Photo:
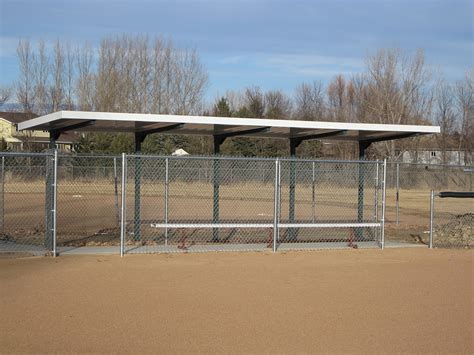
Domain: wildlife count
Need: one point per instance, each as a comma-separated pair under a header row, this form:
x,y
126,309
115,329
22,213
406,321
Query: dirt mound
x,y
457,233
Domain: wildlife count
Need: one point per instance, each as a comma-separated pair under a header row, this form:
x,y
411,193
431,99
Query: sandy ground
x,y
358,301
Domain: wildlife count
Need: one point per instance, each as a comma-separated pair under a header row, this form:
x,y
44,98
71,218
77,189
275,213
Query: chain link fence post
x,y
397,201
215,207
117,212
48,238
376,193
276,205
166,198
376,200
432,196
55,201
138,183
123,212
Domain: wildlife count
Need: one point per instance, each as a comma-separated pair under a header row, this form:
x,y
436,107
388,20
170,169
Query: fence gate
x,y
26,204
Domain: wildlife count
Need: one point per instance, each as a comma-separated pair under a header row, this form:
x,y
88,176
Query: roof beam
x,y
141,135
388,137
161,129
56,132
221,137
297,140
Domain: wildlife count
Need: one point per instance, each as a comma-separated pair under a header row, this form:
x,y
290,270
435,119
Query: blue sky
x,y
272,44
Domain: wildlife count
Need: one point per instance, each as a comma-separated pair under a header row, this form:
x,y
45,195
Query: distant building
x,y
32,141
435,156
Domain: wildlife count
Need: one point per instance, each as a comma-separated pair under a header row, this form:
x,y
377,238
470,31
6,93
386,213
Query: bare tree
x,y
309,102
56,90
5,92
336,99
255,102
85,82
278,105
464,92
156,76
395,90
41,79
444,115
109,92
191,81
25,92
235,99
69,78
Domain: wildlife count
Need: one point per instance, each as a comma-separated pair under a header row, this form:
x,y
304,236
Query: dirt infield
x,y
405,300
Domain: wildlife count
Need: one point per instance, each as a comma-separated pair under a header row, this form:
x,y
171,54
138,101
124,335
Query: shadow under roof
x,y
82,121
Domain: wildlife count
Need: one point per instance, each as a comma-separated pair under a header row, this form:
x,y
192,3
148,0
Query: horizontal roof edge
x,y
46,122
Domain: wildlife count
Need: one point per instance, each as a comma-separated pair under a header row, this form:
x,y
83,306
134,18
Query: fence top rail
x,y
25,154
89,155
466,168
271,159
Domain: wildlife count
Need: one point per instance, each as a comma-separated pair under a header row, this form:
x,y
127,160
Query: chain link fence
x,y
24,209
88,201
173,204
217,203
452,220
408,197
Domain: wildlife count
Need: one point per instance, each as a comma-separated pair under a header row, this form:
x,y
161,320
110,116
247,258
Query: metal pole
x,y
55,199
384,195
313,197
398,194
123,212
117,213
49,194
432,196
376,200
279,199
166,198
376,197
275,212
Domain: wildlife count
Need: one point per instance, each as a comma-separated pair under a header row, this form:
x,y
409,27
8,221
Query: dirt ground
x,y
358,301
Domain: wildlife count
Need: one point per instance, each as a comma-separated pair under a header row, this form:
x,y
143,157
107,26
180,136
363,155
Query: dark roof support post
x,y
49,193
53,137
218,140
363,145
139,138
292,233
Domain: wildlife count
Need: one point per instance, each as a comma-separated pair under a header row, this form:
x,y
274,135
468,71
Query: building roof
x,y
220,126
17,117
